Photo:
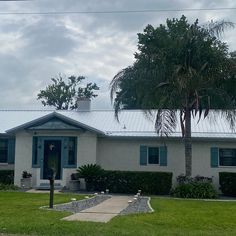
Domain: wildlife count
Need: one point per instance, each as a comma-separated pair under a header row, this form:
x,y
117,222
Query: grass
x,y
20,214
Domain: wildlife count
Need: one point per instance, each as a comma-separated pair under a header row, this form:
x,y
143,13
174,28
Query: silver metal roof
x,y
132,123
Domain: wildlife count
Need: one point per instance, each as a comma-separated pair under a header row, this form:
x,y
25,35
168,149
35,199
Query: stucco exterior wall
x,y
86,153
23,156
87,149
124,154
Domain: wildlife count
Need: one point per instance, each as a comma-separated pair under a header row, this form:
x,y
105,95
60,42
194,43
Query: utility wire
x,y
15,0
118,11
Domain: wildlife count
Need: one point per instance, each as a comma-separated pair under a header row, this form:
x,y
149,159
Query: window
x,y
3,150
71,151
153,155
227,157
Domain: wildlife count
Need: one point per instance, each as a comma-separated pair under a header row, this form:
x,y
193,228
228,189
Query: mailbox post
x,y
51,181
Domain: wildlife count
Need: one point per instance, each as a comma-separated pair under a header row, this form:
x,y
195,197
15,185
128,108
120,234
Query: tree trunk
x,y
188,143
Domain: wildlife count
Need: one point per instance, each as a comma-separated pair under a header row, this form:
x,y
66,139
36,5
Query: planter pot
x,y
74,185
82,184
26,183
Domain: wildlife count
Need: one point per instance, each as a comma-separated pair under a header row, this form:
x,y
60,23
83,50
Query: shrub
x,y
197,187
8,187
92,174
132,181
6,176
228,183
125,181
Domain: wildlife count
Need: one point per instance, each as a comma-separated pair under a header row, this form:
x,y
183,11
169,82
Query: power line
x,y
117,11
15,0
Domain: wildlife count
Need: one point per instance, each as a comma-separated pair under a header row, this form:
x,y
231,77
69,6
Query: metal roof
x,y
132,123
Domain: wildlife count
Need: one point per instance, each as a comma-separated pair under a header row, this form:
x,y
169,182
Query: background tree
x,y
178,66
63,95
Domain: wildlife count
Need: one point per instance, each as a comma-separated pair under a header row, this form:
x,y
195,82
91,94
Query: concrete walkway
x,y
102,212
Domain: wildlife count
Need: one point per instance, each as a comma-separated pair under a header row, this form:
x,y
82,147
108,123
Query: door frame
x,y
42,156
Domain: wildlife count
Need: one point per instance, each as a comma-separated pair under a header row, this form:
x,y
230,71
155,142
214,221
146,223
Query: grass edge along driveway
x,y
20,214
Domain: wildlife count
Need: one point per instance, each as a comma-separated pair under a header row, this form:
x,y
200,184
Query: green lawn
x,y
20,214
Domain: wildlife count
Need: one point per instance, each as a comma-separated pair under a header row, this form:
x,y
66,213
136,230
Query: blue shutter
x,y
143,155
64,153
163,156
214,157
34,152
11,151
40,153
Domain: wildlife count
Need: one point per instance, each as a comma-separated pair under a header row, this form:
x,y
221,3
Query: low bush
x,y
8,187
197,187
228,183
6,176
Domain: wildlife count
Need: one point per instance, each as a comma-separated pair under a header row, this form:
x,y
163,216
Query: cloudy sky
x,y
34,48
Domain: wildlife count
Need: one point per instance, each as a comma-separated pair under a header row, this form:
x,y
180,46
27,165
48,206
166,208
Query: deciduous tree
x,y
63,95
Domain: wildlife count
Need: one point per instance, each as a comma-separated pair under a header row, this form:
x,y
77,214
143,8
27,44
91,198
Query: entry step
x,y
46,186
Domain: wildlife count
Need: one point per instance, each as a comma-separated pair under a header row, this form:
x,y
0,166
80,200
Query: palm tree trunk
x,y
188,143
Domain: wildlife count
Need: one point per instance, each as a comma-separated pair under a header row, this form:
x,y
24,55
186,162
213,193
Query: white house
x,y
33,140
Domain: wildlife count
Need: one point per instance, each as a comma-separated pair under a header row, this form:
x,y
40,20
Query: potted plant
x,y
74,183
26,182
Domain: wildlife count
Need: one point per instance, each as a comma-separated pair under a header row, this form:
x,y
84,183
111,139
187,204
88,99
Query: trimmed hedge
x,y
132,181
6,176
228,183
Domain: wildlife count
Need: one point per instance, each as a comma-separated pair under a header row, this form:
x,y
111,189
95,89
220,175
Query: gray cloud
x,y
46,37
34,48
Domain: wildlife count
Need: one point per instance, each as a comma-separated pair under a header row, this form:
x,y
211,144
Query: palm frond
x,y
165,122
114,85
217,28
230,116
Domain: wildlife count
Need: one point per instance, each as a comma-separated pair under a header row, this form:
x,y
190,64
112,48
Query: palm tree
x,y
179,67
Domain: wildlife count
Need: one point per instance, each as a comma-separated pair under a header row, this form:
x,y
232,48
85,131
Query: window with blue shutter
x,y
7,150
214,157
163,156
143,155
69,152
153,155
227,156
11,151
3,150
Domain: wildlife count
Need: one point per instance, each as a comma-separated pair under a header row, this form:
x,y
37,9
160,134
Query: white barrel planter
x,y
26,183
74,185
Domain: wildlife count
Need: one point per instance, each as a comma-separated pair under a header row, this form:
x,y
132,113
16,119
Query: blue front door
x,y
51,158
